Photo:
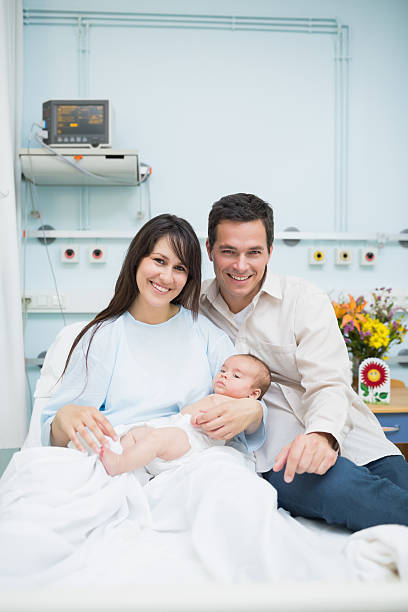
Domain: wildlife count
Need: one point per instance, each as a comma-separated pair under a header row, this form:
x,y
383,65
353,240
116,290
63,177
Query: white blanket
x,y
64,521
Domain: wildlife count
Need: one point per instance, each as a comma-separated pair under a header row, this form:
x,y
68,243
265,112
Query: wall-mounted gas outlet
x,y
317,257
368,256
70,253
97,254
343,257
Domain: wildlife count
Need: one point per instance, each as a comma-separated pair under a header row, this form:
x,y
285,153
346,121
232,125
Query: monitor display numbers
x,y
80,119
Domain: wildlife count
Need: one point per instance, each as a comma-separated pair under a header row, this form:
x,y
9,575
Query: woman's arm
x,y
74,407
71,420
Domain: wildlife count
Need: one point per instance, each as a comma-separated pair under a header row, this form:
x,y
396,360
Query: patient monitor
x,y
77,123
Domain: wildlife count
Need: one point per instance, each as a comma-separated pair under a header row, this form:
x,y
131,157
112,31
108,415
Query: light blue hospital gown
x,y
137,372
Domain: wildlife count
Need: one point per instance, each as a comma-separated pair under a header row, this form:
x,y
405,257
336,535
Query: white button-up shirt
x,y
292,327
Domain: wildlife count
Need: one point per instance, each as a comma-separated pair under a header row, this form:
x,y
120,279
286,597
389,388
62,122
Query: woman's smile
x,y
159,288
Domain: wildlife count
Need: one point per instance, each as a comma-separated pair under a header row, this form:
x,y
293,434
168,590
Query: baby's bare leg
x,y
141,447
134,435
116,464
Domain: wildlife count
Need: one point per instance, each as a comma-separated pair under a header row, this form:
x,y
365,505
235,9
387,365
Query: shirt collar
x,y
272,285
209,289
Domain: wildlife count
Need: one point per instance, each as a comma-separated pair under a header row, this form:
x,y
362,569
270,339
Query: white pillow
x,y
49,382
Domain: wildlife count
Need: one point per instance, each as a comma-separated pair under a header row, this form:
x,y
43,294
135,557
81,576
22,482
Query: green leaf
x,y
363,387
365,393
383,395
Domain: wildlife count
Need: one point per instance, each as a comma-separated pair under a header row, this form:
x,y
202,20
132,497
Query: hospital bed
x,y
318,596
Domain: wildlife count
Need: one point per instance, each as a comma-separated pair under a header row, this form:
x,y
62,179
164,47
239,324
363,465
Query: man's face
x,y
239,255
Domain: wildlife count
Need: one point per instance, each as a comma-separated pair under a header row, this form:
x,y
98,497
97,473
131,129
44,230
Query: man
x,y
325,452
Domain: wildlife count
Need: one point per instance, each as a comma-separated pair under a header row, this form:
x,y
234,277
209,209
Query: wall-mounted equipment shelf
x,y
98,167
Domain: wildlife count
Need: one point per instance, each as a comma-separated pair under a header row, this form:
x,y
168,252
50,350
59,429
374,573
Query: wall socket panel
x,y
317,257
343,256
69,253
97,254
44,301
368,256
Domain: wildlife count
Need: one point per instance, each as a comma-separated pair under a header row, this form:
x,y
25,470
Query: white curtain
x,y
13,416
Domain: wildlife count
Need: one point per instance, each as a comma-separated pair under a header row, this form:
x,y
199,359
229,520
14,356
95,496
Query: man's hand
x,y
312,453
72,420
231,417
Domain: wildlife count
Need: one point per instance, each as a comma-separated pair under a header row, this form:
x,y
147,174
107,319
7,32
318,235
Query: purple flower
x,y
348,327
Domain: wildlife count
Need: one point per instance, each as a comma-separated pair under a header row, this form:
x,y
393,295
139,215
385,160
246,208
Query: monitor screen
x,y
79,119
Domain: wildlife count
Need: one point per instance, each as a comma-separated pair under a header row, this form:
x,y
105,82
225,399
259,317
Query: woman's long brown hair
x,y
187,248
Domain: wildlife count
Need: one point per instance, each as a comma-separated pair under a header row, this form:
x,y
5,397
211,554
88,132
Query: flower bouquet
x,y
369,330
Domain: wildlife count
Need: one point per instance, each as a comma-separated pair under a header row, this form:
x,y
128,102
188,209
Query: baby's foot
x,y
110,460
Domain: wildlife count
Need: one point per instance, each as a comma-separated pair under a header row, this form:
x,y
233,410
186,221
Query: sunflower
x,y
373,374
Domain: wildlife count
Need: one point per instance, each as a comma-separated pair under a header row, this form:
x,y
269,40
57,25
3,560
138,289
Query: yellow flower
x,y
380,335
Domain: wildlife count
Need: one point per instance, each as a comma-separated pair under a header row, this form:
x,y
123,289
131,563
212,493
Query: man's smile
x,y
239,278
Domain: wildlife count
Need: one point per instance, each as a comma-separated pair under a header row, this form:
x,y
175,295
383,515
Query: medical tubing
x,y
84,170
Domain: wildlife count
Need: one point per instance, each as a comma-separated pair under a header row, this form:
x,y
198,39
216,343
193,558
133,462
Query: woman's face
x,y
160,276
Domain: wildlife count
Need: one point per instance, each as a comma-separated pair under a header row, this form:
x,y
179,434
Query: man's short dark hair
x,y
240,207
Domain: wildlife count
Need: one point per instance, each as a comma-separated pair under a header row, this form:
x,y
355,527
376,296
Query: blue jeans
x,y
348,494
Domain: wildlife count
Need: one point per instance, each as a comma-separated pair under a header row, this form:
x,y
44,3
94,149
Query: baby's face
x,y
237,378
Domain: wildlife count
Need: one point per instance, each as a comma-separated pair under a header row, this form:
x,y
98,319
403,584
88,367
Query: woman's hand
x,y
72,420
230,418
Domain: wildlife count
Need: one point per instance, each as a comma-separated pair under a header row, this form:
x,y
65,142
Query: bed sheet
x,y
64,521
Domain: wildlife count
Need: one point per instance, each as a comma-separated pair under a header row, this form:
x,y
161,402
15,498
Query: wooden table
x,y
394,417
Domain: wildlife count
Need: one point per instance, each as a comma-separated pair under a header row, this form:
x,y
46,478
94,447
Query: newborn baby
x,y
170,438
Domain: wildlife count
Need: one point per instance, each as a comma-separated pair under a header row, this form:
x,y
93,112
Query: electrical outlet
x,y
44,301
97,254
368,256
343,257
317,257
69,254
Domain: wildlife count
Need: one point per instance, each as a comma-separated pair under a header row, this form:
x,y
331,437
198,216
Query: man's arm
x,y
231,417
322,361
313,453
205,404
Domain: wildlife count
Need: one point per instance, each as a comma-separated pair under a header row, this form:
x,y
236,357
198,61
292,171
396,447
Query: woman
x,y
148,353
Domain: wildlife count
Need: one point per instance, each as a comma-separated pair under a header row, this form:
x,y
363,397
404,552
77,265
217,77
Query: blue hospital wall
x,y
216,112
